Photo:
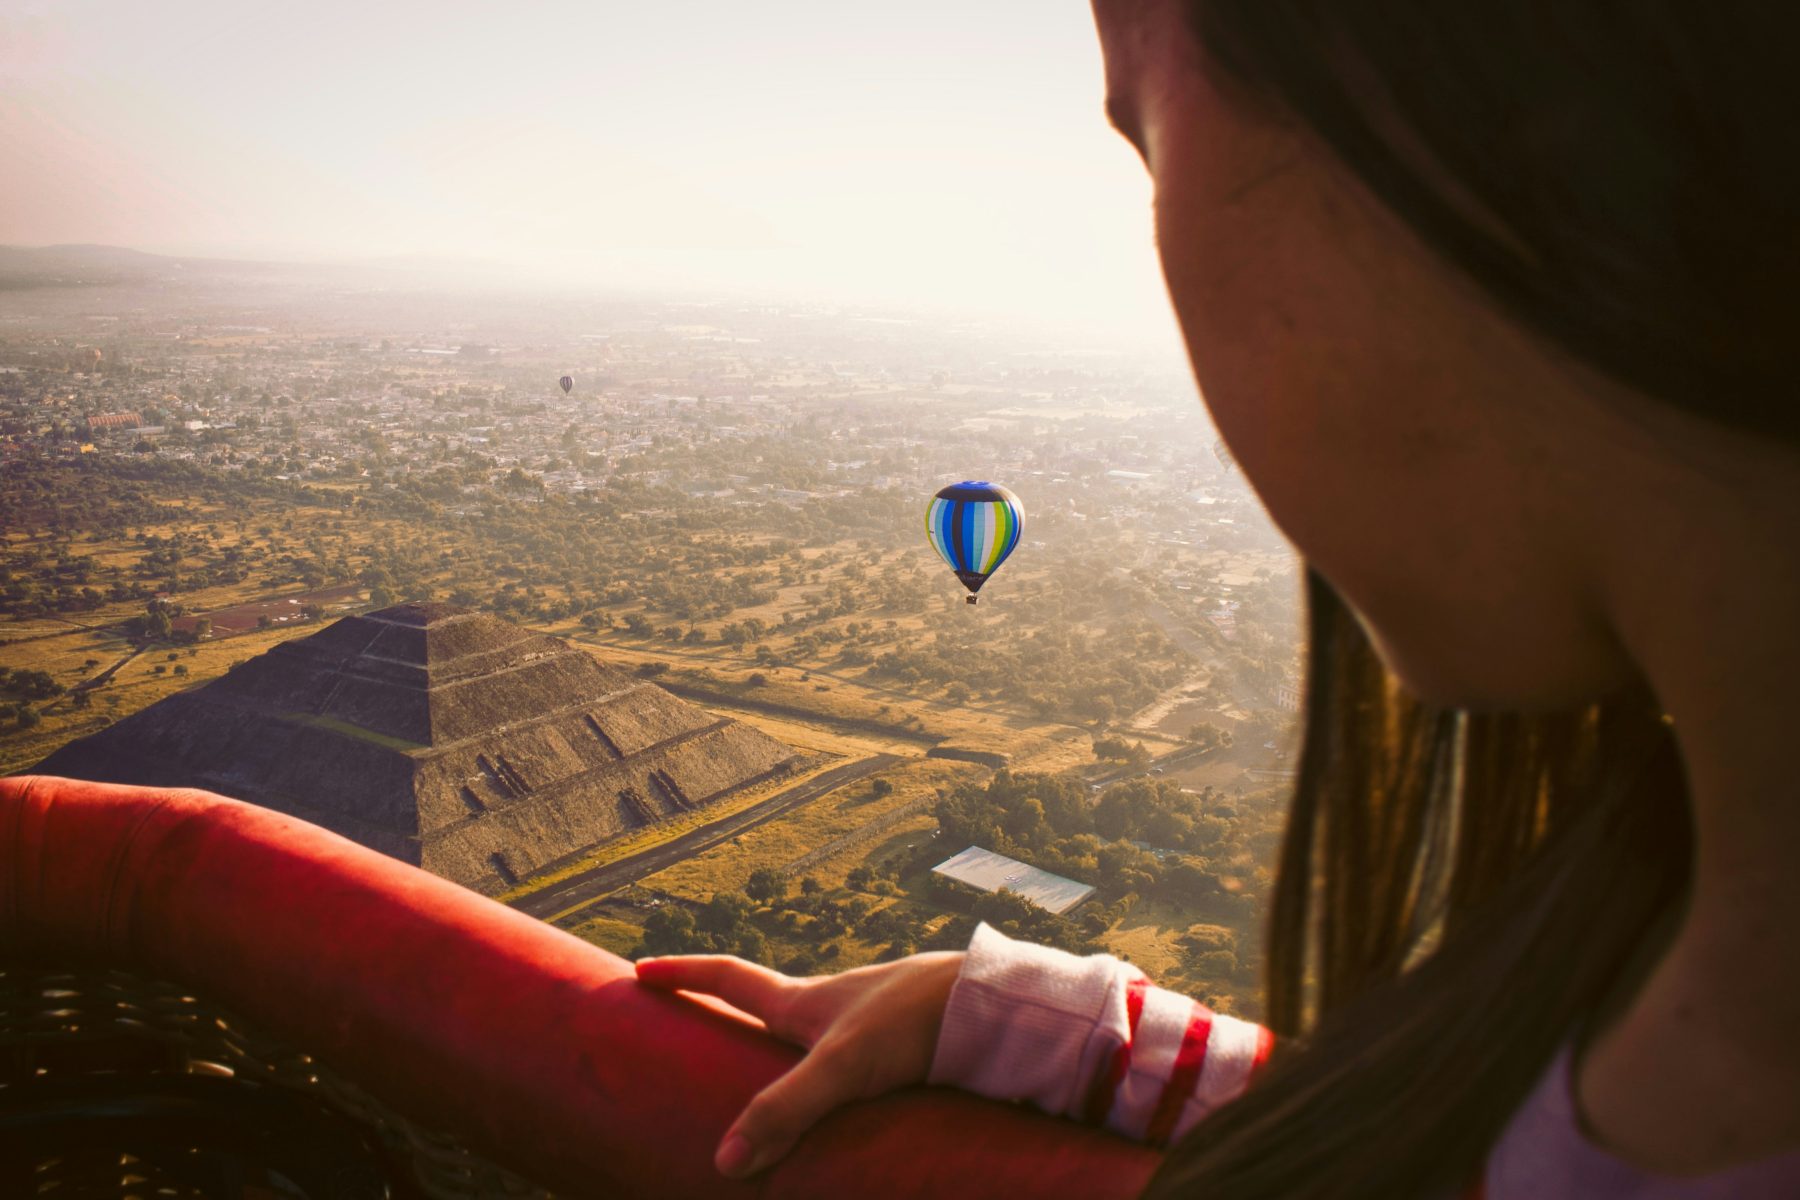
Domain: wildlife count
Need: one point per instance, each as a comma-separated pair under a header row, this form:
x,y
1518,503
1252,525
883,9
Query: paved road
x,y
1166,620
599,881
1182,756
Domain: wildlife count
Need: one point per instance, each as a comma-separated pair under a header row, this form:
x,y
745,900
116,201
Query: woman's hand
x,y
868,1031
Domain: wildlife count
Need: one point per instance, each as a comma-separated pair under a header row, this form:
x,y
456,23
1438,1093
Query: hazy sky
x,y
945,152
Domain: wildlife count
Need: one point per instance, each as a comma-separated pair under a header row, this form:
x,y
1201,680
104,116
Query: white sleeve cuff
x,y
1030,1023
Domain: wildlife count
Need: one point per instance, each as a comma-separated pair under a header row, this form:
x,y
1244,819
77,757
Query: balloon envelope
x,y
568,383
973,526
1223,453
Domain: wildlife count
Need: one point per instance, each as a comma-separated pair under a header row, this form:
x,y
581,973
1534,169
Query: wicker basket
x,y
108,1023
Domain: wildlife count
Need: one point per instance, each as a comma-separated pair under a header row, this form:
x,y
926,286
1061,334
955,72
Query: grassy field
x,y
137,685
726,868
654,835
1150,936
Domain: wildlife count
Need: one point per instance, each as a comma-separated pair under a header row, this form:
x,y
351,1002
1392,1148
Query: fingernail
x,y
642,961
734,1155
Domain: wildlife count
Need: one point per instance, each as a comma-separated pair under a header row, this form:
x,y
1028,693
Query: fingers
x,y
774,1120
756,990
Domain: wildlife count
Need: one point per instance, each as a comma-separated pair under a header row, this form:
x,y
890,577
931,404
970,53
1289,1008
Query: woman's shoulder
x,y
1546,1154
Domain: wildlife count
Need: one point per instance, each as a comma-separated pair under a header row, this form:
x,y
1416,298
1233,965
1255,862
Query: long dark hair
x,y
1460,892
1457,891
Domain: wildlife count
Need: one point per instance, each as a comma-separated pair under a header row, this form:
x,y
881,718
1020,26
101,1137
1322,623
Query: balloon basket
x,y
969,599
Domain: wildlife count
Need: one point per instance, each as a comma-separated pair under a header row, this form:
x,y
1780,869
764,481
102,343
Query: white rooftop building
x,y
987,871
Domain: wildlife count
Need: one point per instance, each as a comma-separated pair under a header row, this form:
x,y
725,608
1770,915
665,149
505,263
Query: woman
x,y
1493,304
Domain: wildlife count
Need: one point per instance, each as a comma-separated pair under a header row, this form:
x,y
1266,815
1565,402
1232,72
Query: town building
x,y
986,871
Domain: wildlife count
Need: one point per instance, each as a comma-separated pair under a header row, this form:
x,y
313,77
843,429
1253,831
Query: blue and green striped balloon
x,y
973,526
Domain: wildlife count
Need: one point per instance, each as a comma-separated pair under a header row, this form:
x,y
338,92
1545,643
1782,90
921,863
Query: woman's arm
x,y
1087,1038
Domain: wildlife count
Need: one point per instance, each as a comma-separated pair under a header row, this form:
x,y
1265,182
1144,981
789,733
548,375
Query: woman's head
x,y
1431,265
1492,303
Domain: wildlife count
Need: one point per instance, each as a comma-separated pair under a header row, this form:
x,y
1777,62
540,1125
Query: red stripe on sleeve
x,y
1265,1046
1190,1061
1100,1095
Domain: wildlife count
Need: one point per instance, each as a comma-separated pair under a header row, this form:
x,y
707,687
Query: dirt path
x,y
99,680
76,627
578,890
650,649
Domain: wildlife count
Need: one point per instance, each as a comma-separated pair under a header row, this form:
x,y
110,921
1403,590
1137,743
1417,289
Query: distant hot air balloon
x,y
1223,453
973,526
568,384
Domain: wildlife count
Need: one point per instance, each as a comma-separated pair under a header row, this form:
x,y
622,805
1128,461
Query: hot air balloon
x,y
568,384
1223,453
973,526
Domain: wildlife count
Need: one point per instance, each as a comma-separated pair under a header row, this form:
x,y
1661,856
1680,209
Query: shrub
x,y
766,885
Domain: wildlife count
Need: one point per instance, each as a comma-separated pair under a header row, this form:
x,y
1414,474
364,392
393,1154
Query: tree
x,y
858,879
669,930
1208,736
724,913
752,946
31,685
1005,905
810,886
766,885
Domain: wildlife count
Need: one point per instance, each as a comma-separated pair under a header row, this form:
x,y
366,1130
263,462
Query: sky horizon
x,y
947,157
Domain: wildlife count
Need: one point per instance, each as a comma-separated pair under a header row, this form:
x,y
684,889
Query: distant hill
x,y
84,265
98,266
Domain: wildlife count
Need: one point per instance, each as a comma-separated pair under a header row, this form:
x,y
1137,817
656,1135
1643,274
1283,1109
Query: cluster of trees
x,y
1117,749
1053,816
1140,840
751,924
1054,669
802,933
19,688
26,684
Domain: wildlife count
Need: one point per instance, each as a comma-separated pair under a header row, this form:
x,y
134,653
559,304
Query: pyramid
x,y
449,739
